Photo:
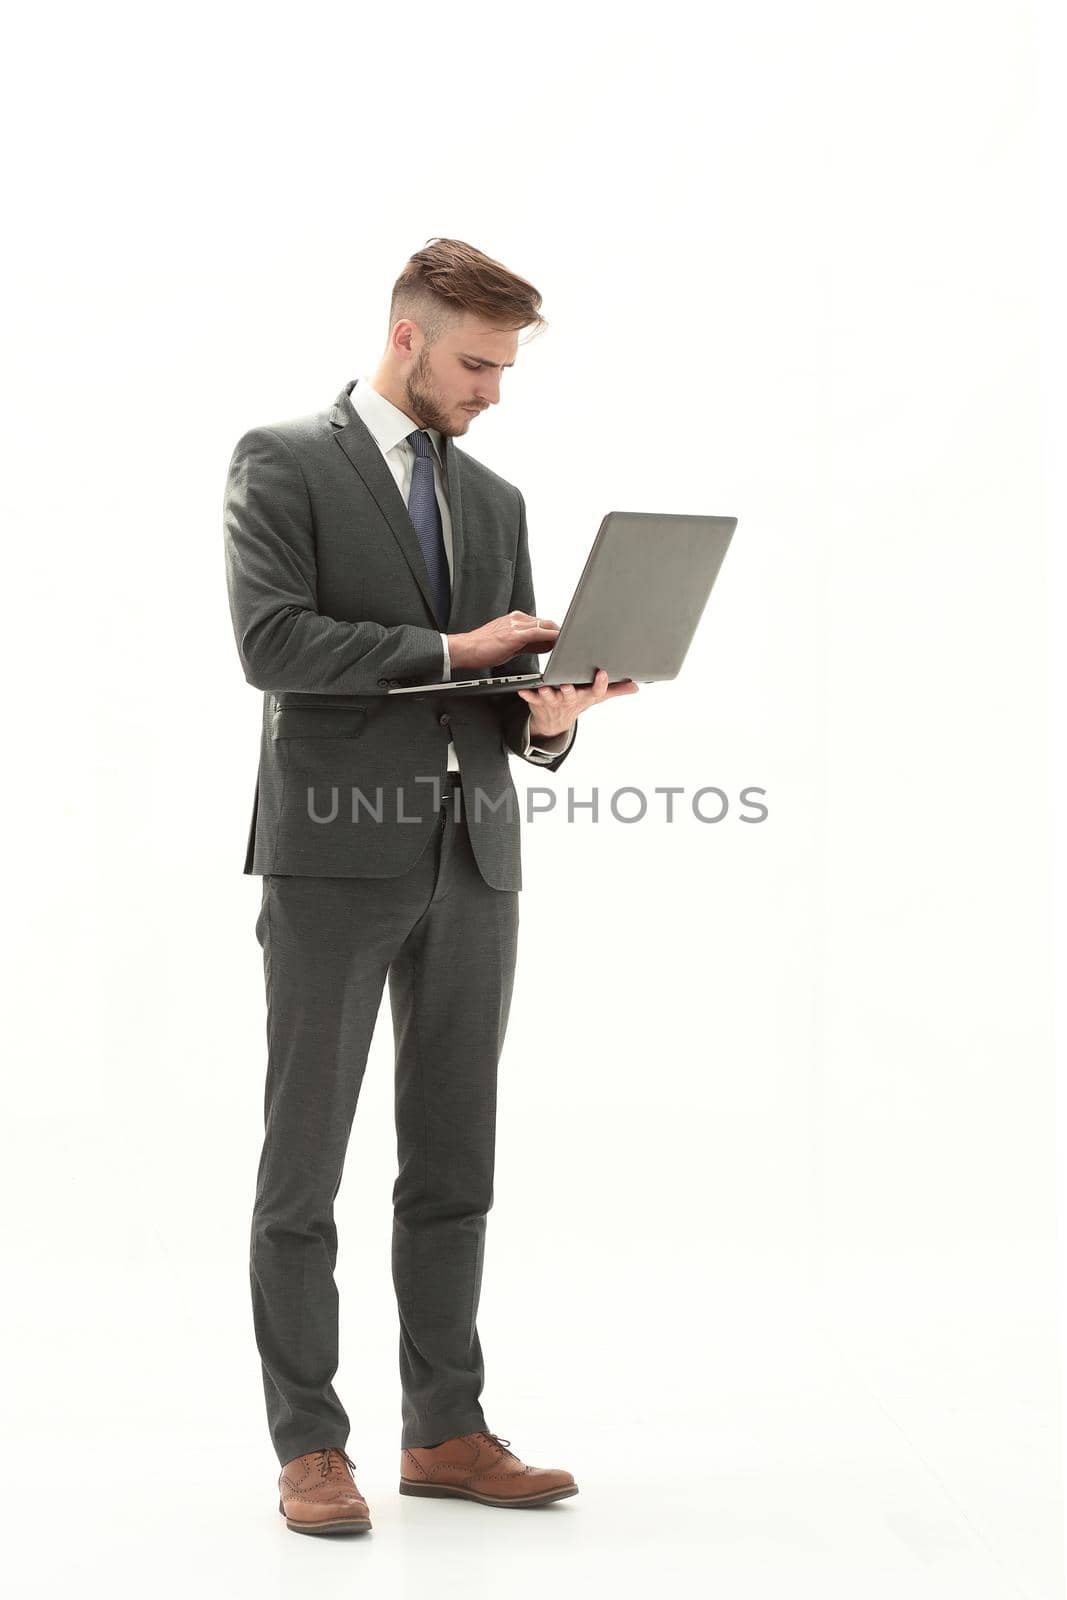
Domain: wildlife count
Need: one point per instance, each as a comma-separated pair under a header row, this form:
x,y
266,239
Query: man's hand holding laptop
x,y
554,710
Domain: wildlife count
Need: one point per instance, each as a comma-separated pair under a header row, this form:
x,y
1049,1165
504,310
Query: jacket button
x,y
394,683
443,719
383,683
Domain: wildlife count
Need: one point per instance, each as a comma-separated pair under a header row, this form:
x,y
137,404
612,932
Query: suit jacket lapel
x,y
359,446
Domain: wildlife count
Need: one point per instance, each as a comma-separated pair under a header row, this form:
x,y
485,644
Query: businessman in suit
x,y
365,550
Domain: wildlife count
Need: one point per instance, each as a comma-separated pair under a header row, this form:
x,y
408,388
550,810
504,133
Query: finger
x,y
593,696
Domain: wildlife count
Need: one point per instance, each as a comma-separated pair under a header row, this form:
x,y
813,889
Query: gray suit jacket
x,y
318,542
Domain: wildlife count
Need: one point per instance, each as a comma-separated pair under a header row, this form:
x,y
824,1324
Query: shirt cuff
x,y
448,662
548,746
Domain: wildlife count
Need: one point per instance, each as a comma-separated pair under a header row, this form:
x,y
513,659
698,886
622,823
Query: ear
x,y
403,335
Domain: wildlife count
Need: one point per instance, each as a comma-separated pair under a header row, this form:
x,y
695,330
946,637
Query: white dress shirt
x,y
389,427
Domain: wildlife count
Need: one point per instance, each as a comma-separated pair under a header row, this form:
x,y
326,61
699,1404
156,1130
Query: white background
x,y
772,1263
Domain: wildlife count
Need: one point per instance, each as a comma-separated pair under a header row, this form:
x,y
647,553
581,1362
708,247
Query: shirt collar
x,y
388,425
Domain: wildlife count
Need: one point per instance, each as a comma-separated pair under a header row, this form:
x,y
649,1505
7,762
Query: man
x,y
364,550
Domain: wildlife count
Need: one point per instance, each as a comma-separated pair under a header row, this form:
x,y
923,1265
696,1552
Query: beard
x,y
424,401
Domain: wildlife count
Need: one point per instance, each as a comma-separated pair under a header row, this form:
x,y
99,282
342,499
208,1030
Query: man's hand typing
x,y
500,639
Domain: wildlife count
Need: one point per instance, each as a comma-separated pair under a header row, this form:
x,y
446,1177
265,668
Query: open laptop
x,y
635,610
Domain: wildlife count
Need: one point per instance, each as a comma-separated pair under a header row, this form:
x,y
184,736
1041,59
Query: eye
x,y
473,366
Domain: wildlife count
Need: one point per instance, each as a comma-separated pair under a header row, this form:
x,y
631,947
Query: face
x,y
447,384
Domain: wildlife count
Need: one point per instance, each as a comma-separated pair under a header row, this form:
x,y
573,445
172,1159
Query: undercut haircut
x,y
448,277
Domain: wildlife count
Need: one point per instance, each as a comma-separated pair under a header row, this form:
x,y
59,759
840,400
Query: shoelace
x,y
501,1444
326,1460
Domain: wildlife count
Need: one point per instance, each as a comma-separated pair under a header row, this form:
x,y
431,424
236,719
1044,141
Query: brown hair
x,y
448,277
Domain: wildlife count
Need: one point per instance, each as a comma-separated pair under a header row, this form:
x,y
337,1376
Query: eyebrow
x,y
467,357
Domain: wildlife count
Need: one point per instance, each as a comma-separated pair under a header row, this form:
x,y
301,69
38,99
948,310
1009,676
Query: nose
x,y
489,392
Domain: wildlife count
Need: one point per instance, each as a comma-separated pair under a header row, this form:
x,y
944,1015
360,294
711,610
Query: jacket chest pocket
x,y
501,567
490,584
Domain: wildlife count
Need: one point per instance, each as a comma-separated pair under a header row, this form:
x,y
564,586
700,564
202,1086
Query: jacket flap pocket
x,y
317,722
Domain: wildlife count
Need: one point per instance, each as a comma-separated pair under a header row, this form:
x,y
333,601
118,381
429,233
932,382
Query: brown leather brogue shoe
x,y
318,1494
479,1466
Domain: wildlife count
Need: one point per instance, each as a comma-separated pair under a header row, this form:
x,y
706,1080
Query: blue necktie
x,y
426,516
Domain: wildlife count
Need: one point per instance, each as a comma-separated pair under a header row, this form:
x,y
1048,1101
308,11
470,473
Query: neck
x,y
391,388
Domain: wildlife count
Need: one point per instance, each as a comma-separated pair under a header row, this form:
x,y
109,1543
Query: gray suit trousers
x,y
446,941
